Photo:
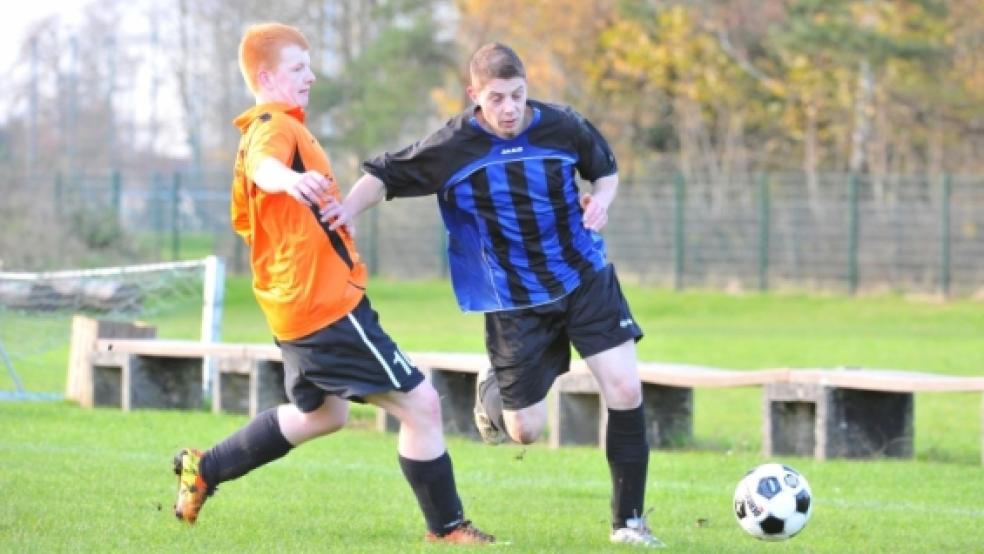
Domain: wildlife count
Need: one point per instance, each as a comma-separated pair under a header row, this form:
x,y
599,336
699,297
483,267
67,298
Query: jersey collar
x,y
244,119
473,121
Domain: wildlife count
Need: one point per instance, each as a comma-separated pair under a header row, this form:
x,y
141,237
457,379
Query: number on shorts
x,y
401,360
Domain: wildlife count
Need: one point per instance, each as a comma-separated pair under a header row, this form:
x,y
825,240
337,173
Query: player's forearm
x,y
272,175
604,189
366,193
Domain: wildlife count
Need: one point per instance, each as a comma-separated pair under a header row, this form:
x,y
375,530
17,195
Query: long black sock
x,y
628,459
432,482
259,442
488,395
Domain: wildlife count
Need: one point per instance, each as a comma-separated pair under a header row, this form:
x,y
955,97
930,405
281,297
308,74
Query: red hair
x,y
261,46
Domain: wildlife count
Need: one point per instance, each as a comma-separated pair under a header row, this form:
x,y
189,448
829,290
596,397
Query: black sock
x,y
628,460
488,395
259,442
432,482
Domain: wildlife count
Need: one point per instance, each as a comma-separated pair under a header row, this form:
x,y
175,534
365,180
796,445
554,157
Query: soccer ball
x,y
773,502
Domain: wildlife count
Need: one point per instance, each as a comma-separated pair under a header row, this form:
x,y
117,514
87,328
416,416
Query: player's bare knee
x,y
425,405
623,393
524,429
524,435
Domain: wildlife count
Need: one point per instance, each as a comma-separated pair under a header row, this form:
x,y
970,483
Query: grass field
x,y
99,480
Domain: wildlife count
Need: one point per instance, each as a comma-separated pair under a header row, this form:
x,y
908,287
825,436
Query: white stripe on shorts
x,y
382,361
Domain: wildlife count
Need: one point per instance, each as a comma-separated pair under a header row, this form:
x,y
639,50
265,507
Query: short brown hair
x,y
261,46
495,61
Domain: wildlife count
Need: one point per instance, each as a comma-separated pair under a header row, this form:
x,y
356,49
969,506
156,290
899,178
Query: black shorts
x,y
530,347
351,358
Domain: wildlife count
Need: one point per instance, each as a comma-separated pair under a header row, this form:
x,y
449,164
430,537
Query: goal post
x,y
213,296
36,309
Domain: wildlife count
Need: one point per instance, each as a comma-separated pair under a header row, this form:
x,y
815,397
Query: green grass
x,y
161,246
97,480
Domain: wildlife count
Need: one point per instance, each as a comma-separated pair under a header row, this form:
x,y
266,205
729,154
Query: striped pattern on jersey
x,y
515,213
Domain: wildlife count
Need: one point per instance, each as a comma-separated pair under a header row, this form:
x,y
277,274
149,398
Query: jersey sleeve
x,y
271,138
239,205
595,156
417,170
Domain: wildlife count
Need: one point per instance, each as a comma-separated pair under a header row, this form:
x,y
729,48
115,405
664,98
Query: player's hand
x,y
337,216
312,189
595,213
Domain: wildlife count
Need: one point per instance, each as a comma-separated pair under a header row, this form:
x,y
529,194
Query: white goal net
x,y
36,311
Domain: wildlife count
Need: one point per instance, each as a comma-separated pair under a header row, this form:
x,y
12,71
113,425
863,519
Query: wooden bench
x,y
577,413
140,373
852,413
849,413
135,373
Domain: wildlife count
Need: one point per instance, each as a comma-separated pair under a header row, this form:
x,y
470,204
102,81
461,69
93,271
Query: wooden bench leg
x,y
669,415
105,373
578,415
866,424
248,386
457,392
789,420
155,382
86,381
266,386
576,418
575,412
836,422
231,392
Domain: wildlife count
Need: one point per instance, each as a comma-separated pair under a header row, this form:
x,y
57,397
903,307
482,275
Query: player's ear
x,y
472,93
263,78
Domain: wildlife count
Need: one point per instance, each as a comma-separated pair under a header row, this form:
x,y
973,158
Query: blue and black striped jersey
x,y
510,206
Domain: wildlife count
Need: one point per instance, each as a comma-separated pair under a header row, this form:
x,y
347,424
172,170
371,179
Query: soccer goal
x,y
36,311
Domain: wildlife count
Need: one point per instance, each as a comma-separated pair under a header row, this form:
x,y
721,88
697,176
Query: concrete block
x,y
810,419
159,382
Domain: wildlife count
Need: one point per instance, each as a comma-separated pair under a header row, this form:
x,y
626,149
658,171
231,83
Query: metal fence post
x,y
852,237
945,235
763,229
679,198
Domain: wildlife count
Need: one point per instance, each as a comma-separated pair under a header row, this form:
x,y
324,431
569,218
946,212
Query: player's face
x,y
503,105
290,82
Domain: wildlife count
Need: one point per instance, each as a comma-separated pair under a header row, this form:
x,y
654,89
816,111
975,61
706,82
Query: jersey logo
x,y
513,150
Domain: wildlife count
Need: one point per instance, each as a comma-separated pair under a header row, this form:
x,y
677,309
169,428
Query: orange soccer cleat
x,y
192,489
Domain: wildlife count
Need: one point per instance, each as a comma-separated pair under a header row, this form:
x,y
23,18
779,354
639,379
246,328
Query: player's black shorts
x,y
530,347
351,358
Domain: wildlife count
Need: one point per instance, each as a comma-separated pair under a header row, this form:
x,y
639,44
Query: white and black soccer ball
x,y
773,502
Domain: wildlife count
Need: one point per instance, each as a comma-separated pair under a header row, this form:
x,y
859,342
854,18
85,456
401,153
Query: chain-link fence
x,y
833,232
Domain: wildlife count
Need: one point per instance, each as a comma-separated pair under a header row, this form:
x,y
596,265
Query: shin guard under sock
x,y
259,442
628,459
432,482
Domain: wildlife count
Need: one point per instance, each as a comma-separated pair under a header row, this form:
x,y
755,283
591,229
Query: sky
x,y
17,17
